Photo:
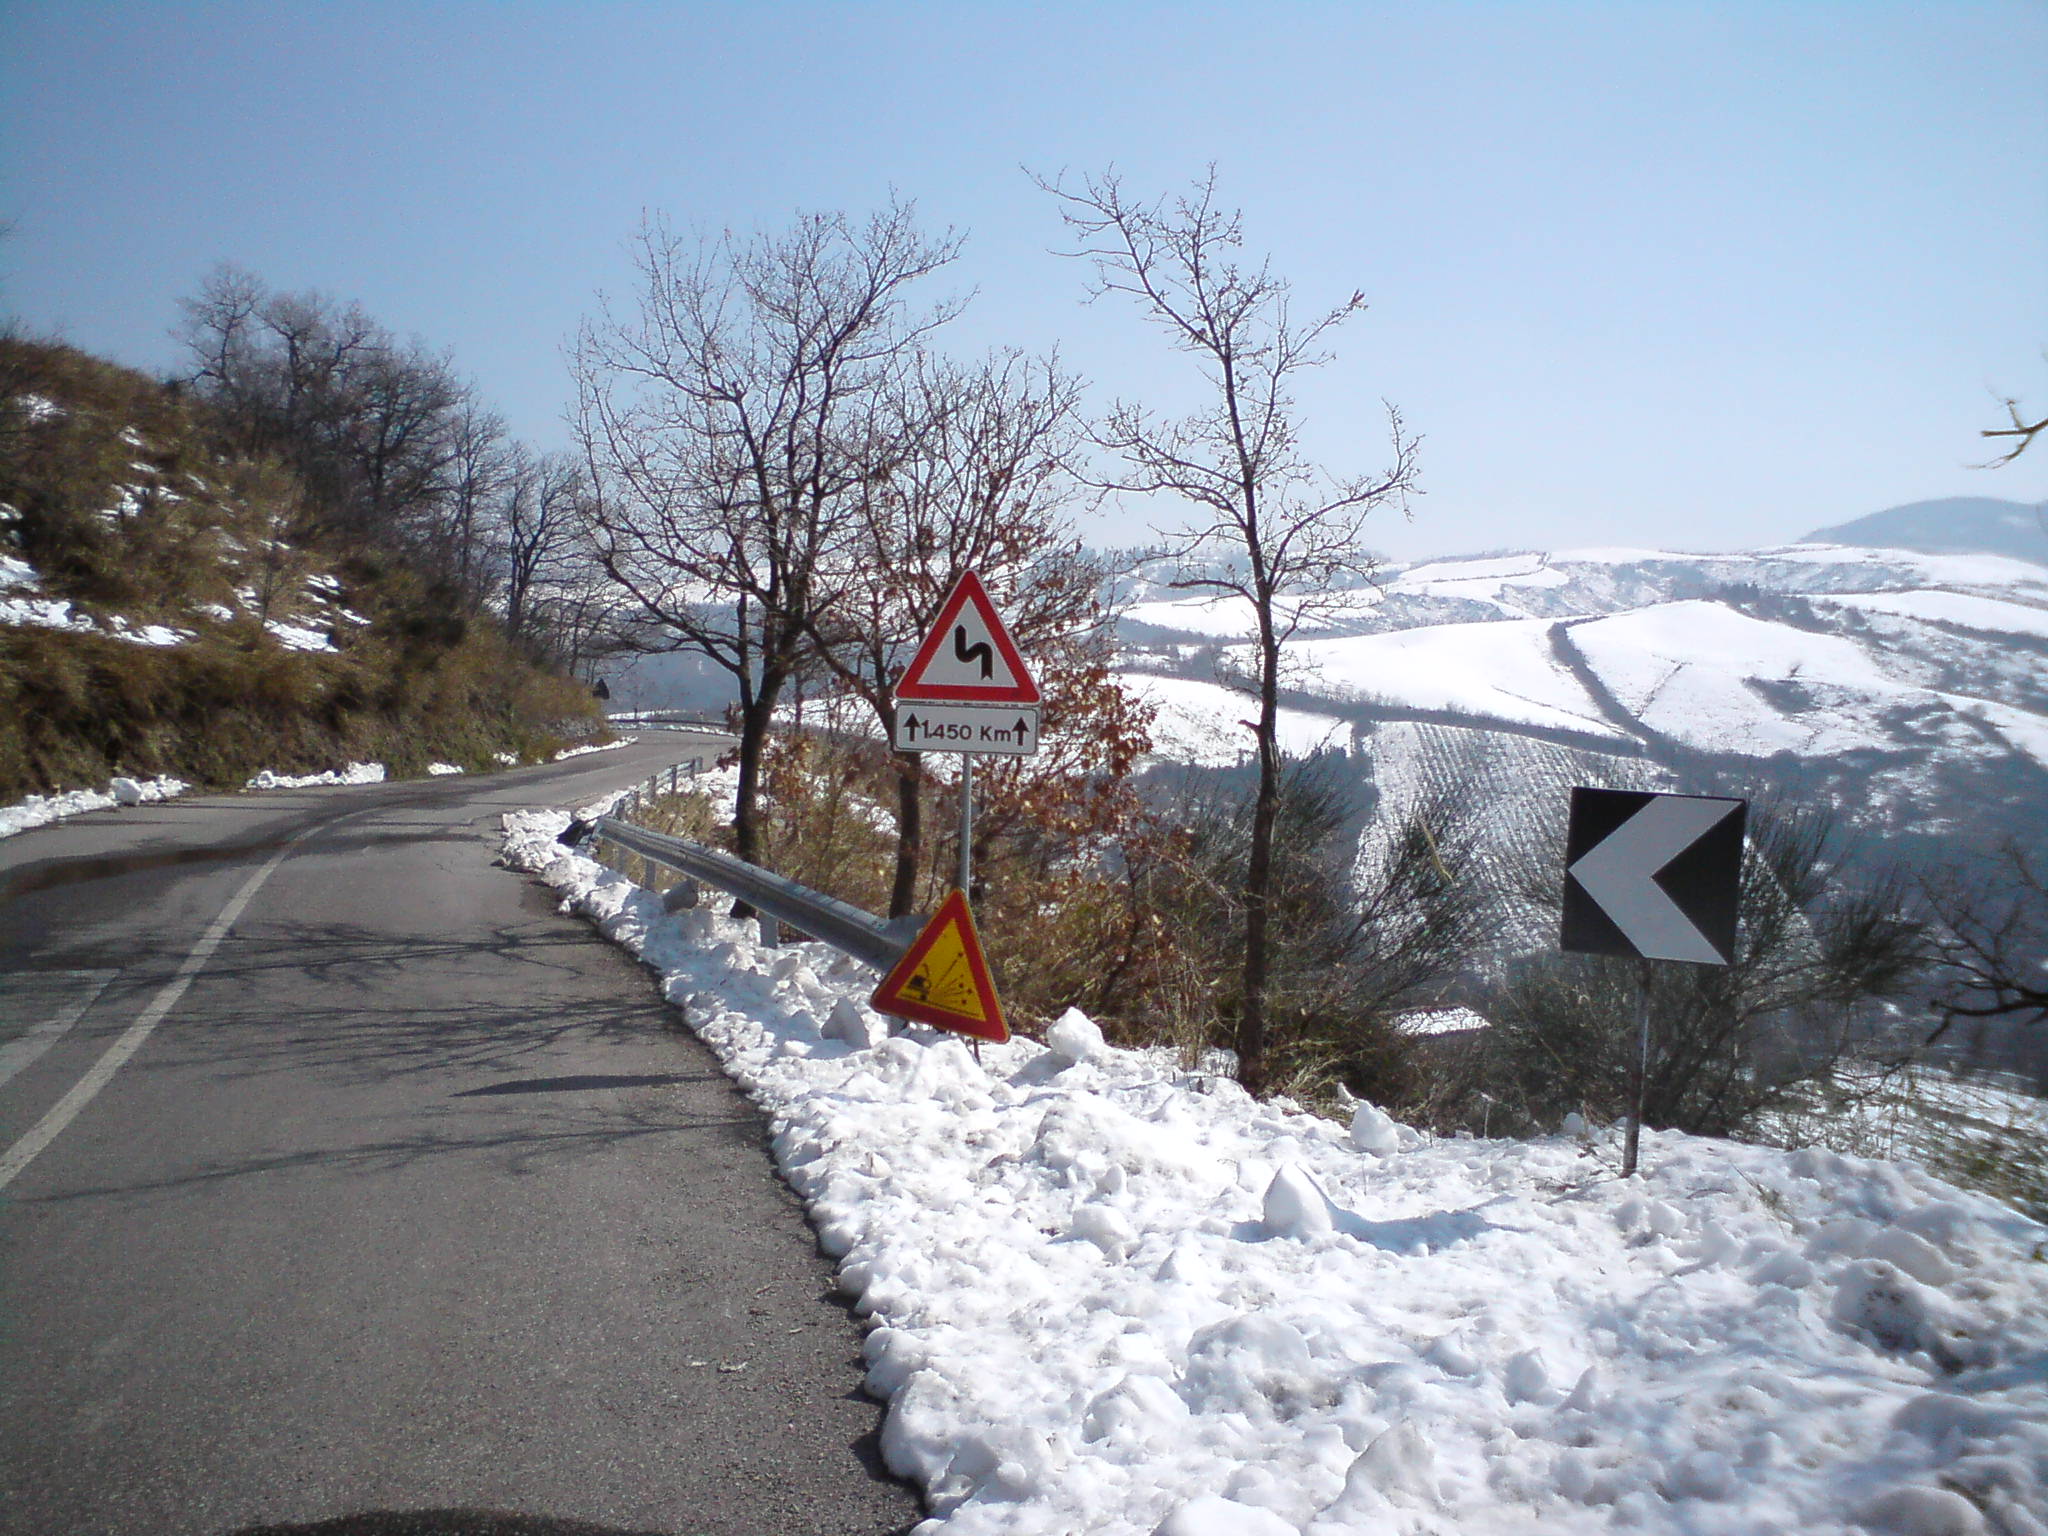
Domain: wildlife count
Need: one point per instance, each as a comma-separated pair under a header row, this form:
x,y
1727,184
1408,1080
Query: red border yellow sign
x,y
943,978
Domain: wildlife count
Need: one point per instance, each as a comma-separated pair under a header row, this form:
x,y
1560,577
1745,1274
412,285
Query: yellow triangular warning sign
x,y
943,978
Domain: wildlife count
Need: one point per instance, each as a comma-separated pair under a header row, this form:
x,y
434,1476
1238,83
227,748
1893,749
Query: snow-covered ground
x,y
1989,615
1505,670
1911,684
41,810
1110,1295
1691,670
1202,722
354,773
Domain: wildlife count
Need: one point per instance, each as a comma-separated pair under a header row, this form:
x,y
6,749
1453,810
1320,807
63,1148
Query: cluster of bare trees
x,y
788,479
392,449
785,475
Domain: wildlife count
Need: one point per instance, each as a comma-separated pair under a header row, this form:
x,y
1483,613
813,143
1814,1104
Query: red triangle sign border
x,y
913,689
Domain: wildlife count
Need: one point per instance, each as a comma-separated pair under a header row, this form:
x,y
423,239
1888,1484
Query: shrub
x,y
1819,951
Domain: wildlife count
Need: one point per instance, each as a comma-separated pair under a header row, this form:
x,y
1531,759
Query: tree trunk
x,y
1258,877
909,830
755,717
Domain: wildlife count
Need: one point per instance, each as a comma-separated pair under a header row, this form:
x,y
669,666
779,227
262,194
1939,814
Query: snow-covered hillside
x,y
1910,689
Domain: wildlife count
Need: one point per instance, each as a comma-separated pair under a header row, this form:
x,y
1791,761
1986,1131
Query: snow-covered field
x,y
1110,1295
1910,688
1692,670
1503,670
1201,722
1987,614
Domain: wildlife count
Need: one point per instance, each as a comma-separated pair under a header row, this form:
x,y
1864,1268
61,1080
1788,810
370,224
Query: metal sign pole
x,y
967,845
1635,1114
966,821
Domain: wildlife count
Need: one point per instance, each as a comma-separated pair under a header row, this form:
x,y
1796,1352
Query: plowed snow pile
x,y
1112,1296
41,810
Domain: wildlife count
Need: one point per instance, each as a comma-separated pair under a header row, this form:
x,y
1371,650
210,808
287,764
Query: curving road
x,y
345,1184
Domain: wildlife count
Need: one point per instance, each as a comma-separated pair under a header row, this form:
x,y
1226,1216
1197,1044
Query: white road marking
x,y
47,1129
26,1047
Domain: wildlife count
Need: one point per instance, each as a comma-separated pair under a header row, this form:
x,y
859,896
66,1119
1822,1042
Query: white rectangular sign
x,y
1007,728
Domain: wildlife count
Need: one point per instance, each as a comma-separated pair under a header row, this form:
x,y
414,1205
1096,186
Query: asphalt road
x,y
344,1177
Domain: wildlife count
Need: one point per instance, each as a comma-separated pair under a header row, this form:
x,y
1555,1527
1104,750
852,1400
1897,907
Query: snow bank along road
x,y
1109,1296
339,1172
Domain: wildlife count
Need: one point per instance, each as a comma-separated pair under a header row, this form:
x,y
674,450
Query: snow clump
x,y
354,773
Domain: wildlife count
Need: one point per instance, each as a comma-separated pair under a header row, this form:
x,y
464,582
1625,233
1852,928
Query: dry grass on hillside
x,y
293,654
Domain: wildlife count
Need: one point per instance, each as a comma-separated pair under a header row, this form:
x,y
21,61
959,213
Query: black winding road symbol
x,y
962,651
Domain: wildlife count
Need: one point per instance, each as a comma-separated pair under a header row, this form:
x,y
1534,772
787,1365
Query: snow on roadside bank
x,y
1112,1296
354,773
598,746
41,810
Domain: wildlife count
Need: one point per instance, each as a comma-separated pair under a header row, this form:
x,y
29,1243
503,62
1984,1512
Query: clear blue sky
x,y
1697,275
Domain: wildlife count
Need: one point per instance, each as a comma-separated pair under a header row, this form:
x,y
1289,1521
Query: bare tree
x,y
979,482
539,518
1287,529
375,427
1359,935
728,425
2026,431
1990,942
482,470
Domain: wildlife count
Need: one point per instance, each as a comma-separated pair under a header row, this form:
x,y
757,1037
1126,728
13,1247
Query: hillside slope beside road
x,y
413,1199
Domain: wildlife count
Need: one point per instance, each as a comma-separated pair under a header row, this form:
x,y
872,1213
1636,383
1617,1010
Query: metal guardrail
x,y
874,941
664,720
850,930
675,773
871,940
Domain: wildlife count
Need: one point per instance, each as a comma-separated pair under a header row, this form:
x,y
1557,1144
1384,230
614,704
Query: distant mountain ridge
x,y
1954,525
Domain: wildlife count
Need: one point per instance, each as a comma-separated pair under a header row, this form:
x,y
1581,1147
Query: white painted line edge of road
x,y
24,1049
65,1110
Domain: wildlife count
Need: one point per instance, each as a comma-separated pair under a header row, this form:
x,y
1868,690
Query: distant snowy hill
x,y
1910,688
1955,525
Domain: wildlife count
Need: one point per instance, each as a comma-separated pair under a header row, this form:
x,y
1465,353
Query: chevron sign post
x,y
1652,877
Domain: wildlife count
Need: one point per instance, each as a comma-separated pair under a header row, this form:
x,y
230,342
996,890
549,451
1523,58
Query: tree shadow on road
x,y
519,1148
327,998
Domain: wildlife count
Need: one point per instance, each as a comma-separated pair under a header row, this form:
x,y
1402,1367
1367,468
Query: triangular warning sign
x,y
943,979
968,658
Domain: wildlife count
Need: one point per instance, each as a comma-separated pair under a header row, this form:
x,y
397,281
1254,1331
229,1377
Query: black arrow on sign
x,y
910,726
981,650
1023,728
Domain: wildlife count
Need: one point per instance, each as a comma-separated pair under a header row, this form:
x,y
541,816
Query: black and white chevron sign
x,y
1653,876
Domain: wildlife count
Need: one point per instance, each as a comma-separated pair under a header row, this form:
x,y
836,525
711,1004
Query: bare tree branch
x,y
726,427
1282,526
